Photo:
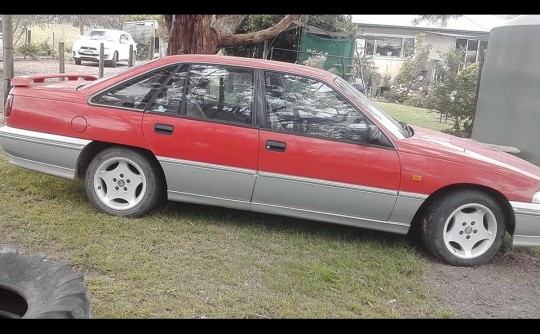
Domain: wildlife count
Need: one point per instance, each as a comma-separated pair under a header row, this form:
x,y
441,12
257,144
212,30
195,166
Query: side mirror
x,y
374,134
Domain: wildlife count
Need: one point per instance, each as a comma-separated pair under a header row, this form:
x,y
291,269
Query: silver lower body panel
x,y
527,229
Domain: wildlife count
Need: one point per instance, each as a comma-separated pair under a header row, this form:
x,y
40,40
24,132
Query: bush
x,y
416,101
29,50
45,49
455,95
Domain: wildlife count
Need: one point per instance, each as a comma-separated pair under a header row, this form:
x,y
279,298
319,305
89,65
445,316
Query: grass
x,y
191,261
415,116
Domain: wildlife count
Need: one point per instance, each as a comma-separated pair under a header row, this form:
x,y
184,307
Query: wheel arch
x,y
498,196
95,147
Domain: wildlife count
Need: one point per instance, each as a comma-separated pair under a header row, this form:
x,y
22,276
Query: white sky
x,y
465,22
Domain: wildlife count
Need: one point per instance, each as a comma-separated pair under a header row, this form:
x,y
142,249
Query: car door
x,y
123,47
200,127
316,159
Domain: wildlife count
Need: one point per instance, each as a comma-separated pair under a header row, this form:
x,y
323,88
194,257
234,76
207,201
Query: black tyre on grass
x,y
33,287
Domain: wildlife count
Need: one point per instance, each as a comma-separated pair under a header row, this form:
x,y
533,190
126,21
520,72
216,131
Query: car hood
x,y
468,151
93,43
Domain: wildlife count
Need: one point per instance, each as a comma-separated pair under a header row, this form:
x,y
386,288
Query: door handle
x,y
164,129
277,146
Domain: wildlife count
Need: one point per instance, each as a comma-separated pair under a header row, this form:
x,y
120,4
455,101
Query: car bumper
x,y
42,152
527,229
89,57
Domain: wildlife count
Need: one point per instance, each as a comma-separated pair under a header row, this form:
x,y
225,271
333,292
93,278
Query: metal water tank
x,y
508,109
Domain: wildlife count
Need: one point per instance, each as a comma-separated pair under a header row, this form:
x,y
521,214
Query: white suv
x,y
116,42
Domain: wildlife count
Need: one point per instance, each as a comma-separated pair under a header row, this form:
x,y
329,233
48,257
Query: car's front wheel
x,y
464,228
114,59
124,182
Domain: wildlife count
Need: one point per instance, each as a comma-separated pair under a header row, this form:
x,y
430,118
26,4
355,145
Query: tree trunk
x,y
191,34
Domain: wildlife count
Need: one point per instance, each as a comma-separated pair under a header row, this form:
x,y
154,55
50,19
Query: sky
x,y
465,22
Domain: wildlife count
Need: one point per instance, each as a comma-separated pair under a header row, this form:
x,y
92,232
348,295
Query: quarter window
x,y
135,93
220,92
310,107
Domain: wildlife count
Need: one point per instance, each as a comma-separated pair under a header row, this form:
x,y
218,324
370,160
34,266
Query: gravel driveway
x,y
506,287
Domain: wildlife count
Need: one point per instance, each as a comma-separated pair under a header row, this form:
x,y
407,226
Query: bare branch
x,y
225,40
227,24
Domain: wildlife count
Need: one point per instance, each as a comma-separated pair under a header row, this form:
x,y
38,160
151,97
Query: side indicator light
x,y
417,178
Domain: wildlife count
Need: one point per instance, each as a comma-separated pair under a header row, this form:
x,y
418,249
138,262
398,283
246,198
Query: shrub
x,y
29,50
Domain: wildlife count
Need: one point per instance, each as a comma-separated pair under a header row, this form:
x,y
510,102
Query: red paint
x,y
421,164
78,124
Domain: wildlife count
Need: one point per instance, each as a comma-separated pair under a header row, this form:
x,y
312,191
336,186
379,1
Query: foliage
x,y
440,19
455,94
411,81
316,60
285,40
45,48
369,75
29,50
286,43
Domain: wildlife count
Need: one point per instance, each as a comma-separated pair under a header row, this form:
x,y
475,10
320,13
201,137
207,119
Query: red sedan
x,y
269,137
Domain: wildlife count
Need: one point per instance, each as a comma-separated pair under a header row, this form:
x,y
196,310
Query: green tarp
x,y
339,51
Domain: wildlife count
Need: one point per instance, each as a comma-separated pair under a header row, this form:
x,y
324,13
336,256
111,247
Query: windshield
x,y
101,35
400,131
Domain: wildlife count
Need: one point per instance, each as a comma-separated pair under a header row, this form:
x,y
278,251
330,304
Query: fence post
x,y
61,59
7,29
151,49
130,62
101,61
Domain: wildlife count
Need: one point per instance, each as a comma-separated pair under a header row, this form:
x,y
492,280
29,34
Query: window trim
x,y
253,103
265,126
374,38
89,100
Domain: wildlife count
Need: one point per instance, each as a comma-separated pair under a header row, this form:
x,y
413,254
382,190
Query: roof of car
x,y
252,62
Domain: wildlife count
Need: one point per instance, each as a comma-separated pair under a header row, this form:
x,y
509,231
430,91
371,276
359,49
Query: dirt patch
x,y
507,287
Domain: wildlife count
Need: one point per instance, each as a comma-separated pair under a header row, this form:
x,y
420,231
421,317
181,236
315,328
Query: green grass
x,y
415,116
191,261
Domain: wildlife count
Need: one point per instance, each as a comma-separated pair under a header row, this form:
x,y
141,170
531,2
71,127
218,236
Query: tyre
x,y
123,182
112,62
32,287
464,228
77,61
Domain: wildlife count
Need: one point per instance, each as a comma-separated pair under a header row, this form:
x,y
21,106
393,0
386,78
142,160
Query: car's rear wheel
x,y
464,228
77,61
114,59
124,182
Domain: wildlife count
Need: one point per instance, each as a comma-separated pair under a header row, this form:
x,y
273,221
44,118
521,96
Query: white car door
x,y
123,52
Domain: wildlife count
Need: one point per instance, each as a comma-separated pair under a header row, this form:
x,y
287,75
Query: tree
x,y
93,21
455,94
286,43
209,33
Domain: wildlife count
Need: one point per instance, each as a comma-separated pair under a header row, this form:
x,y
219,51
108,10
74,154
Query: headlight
x,y
536,197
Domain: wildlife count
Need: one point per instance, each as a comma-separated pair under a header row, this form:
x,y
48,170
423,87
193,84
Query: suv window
x,y
135,93
220,92
310,107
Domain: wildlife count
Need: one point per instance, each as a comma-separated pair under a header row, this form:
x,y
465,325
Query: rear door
x,y
316,159
201,129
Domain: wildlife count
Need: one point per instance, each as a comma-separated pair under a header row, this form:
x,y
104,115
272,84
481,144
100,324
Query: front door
x,y
316,158
200,128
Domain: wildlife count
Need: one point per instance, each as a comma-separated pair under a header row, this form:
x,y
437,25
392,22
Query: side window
x,y
169,98
307,106
135,93
220,92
